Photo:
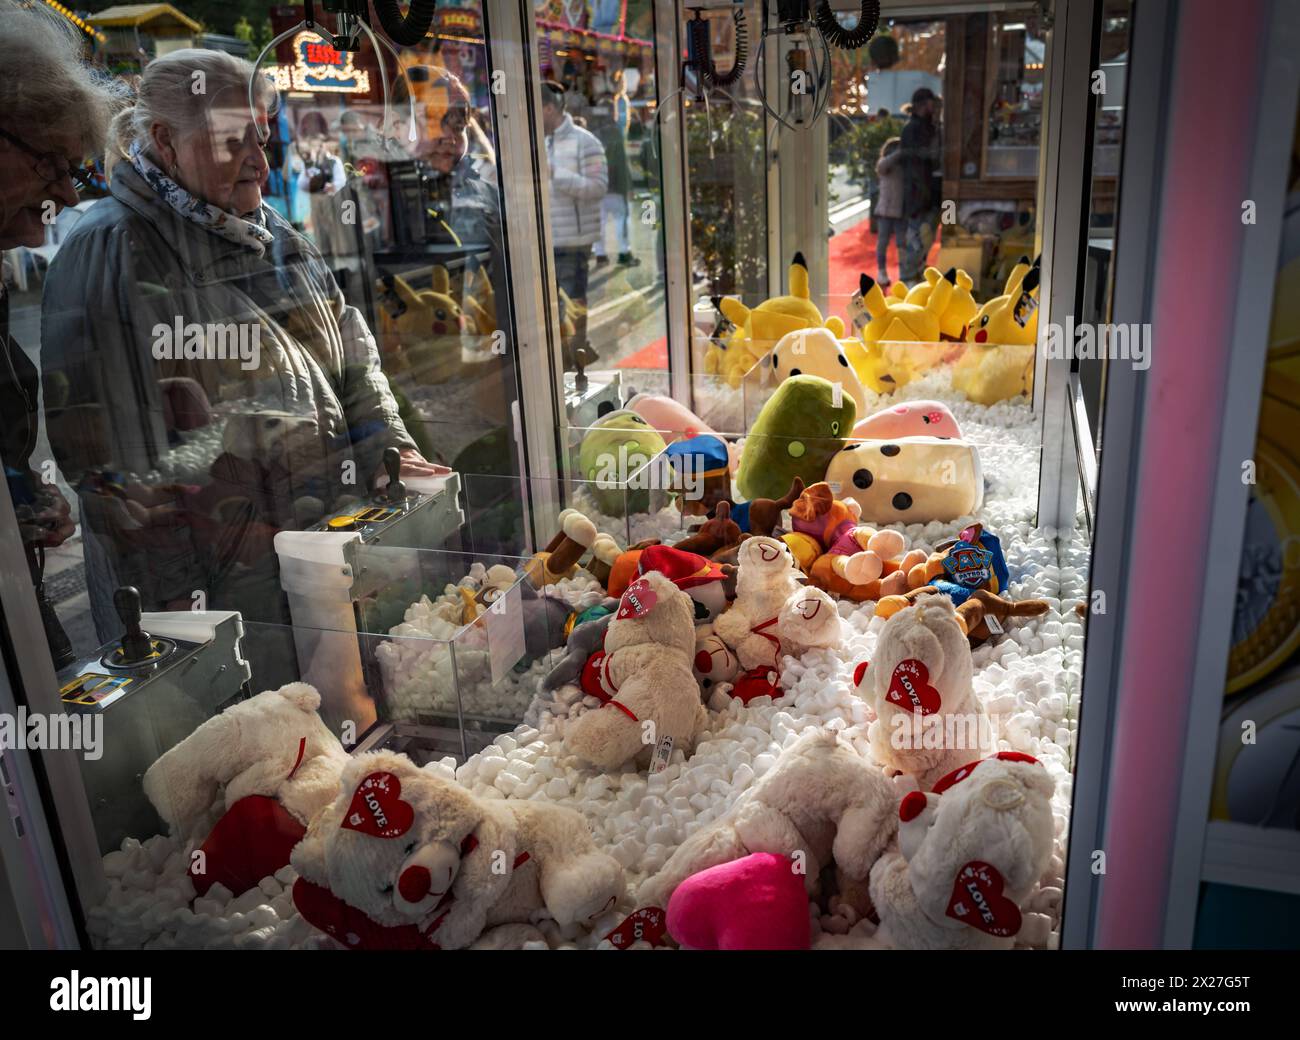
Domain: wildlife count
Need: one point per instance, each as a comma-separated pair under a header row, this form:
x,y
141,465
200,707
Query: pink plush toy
x,y
672,419
909,419
754,903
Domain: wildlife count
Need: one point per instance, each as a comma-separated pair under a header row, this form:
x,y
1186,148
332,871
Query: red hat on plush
x,y
684,569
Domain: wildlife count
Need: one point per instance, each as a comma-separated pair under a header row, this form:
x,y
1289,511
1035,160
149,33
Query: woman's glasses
x,y
53,167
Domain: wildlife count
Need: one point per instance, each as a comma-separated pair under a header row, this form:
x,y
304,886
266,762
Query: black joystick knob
x,y
396,490
136,643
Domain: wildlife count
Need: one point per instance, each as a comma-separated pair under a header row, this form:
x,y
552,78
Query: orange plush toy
x,y
842,556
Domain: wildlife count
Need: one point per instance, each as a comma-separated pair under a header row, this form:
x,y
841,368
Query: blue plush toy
x,y
703,472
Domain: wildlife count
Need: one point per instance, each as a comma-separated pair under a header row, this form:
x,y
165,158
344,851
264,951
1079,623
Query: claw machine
x,y
573,309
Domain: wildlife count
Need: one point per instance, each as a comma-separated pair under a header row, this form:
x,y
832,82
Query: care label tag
x,y
835,486
858,311
994,625
1025,307
663,752
837,395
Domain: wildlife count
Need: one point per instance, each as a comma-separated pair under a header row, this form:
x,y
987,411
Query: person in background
x,y
889,208
613,208
52,118
322,177
620,103
206,384
919,155
462,194
579,179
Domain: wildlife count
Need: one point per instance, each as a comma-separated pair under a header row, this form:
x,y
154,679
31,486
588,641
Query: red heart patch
x,y
977,900
860,672
377,808
648,924
637,601
910,689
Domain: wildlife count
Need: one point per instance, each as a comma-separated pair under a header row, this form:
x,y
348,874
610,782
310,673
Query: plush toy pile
x,y
812,686
726,747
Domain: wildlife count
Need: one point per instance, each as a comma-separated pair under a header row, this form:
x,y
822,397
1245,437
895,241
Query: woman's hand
x,y
416,465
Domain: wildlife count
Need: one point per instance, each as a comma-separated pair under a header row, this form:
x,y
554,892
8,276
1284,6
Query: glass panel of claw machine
x,y
912,398
599,103
248,500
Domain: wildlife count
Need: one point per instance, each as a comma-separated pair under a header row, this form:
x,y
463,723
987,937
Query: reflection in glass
x,y
602,161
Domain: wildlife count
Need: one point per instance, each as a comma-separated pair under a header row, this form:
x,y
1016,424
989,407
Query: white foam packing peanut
x,y
1030,689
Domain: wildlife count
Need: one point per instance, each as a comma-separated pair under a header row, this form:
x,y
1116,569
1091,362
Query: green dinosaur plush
x,y
796,434
618,445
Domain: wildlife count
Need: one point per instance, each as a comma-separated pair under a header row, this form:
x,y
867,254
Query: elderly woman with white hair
x,y
206,383
53,115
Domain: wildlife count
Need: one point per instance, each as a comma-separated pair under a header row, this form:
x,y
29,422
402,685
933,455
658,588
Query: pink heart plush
x,y
754,903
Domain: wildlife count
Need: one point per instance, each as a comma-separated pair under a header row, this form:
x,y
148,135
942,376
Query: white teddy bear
x,y
644,674
274,745
920,684
405,858
774,614
969,855
821,803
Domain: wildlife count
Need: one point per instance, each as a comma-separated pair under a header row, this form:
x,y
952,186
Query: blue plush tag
x,y
968,564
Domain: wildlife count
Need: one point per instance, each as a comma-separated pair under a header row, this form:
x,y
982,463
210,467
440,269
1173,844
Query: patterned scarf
x,y
244,231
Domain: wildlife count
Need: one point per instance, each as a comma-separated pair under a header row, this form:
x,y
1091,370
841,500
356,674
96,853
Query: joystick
x,y
136,644
395,492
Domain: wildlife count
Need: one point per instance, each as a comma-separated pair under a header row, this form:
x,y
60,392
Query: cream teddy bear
x,y
920,684
773,615
418,855
820,803
968,856
644,674
274,745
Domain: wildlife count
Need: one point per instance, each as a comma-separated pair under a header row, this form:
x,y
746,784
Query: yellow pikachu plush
x,y
961,309
889,319
758,329
897,336
999,360
479,299
421,332
1013,316
875,371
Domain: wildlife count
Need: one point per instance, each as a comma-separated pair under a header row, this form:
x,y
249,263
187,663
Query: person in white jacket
x,y
579,178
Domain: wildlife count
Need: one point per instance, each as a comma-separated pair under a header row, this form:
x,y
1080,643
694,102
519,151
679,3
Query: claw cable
x,y
409,29
699,48
848,39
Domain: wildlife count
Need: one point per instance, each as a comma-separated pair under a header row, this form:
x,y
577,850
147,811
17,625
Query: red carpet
x,y
851,252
